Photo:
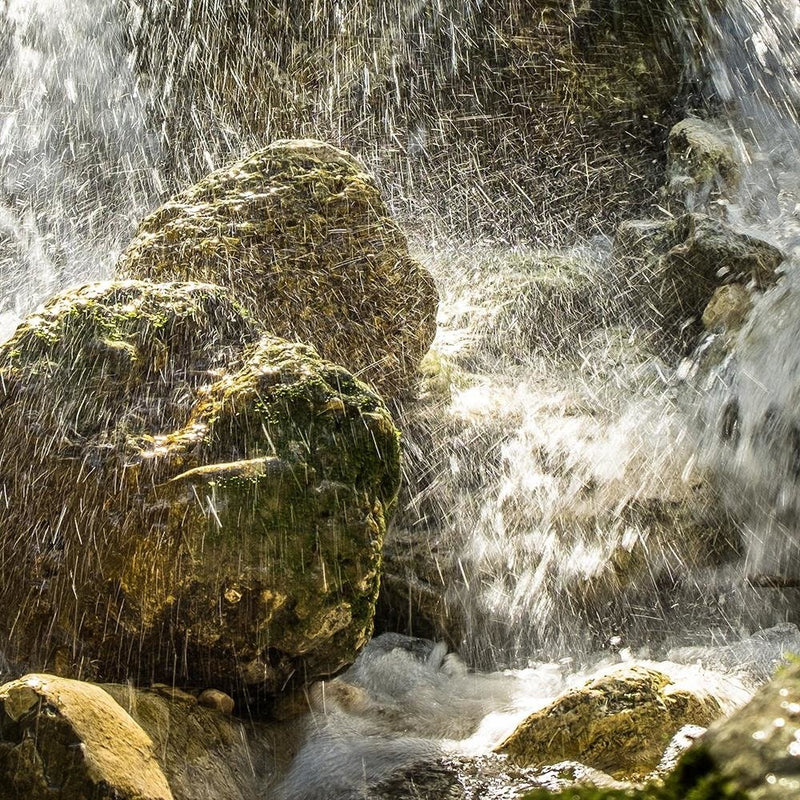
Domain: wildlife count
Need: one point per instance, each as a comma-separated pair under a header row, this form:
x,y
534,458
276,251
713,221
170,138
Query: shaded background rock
x,y
702,166
667,271
299,233
69,740
210,506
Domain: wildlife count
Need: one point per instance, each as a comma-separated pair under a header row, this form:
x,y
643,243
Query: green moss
x,y
696,777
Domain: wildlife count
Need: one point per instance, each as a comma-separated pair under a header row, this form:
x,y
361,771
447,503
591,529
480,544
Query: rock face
x,y
184,500
619,723
757,749
669,270
298,230
69,740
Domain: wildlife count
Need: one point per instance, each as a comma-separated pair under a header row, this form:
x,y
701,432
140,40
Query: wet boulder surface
x,y
752,755
69,740
300,233
620,722
184,500
667,271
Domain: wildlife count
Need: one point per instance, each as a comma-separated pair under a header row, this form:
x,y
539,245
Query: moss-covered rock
x,y
68,740
619,723
300,234
667,271
752,755
182,499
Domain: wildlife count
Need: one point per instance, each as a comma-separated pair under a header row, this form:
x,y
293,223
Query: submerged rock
x,y
299,232
619,723
669,270
69,740
184,500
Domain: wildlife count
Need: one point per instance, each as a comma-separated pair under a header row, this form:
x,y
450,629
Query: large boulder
x,y
620,722
68,740
299,231
184,500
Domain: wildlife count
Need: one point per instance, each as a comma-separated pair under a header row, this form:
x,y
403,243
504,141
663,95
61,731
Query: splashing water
x,y
582,494
75,154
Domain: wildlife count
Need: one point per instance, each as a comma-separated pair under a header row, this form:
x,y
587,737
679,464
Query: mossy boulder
x,y
185,500
619,723
666,272
68,740
299,232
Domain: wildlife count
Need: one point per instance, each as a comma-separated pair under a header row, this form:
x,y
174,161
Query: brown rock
x,y
69,740
214,698
300,234
619,723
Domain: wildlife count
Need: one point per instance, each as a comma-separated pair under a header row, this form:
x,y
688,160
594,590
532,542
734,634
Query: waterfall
x,y
76,157
572,478
601,497
751,424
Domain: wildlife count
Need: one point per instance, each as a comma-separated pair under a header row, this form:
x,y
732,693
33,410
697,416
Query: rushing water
x,y
565,480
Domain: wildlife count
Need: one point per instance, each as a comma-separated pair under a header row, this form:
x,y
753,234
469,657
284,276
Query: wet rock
x,y
757,749
699,162
727,309
206,754
300,234
529,302
667,272
184,500
214,698
752,755
619,723
66,739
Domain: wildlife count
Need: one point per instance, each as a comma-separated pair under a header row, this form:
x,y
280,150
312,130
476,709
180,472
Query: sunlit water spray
x,y
751,425
574,507
76,157
589,493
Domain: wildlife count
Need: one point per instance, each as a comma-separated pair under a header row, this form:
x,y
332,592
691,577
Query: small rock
x,y
214,698
727,309
700,161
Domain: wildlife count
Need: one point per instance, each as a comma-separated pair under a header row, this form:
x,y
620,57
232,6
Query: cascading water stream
x,y
77,160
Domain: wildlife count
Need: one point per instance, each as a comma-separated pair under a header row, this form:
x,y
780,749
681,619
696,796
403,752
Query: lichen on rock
x,y
299,232
184,500
619,722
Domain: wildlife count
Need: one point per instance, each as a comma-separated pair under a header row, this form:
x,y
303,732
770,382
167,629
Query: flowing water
x,y
582,499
